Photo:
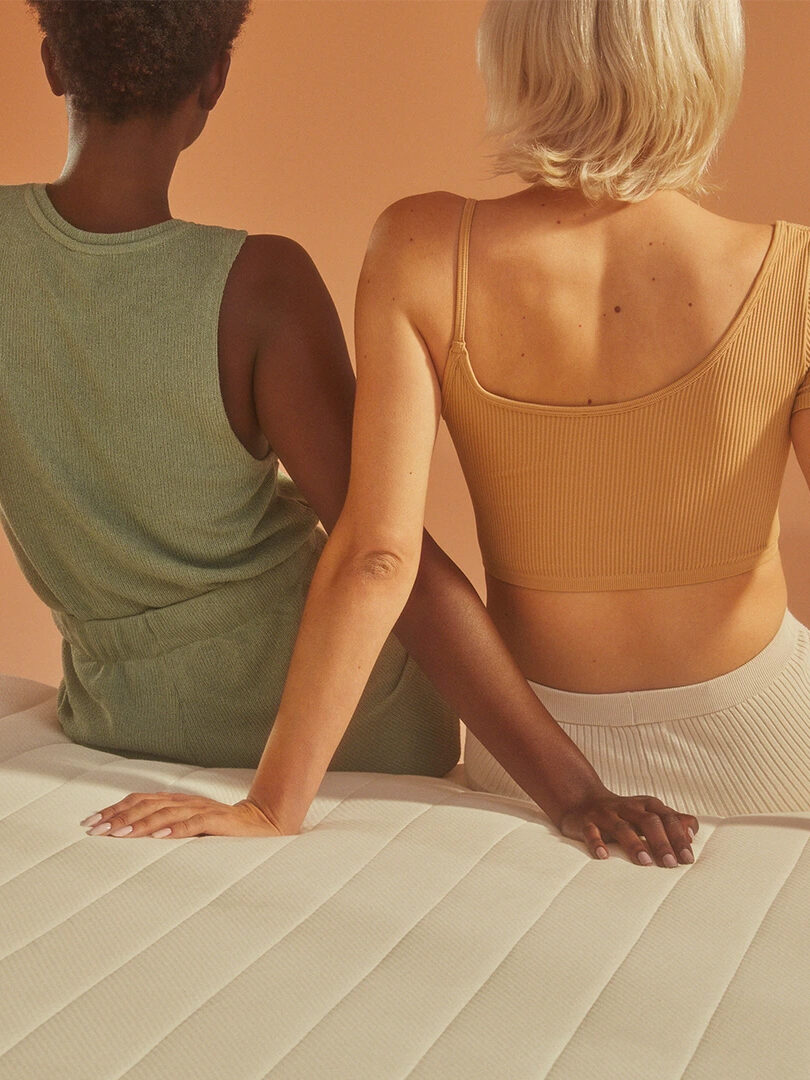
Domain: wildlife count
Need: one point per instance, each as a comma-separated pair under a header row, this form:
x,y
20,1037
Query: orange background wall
x,y
334,109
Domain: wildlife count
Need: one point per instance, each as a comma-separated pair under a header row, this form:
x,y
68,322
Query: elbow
x,y
382,565
364,554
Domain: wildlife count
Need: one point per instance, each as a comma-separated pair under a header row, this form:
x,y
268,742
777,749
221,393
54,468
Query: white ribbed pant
x,y
736,744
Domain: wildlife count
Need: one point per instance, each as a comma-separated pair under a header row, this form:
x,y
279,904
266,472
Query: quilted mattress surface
x,y
414,928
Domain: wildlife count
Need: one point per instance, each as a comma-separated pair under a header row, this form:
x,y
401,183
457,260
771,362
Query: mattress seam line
x,y
196,1009
391,948
740,962
170,930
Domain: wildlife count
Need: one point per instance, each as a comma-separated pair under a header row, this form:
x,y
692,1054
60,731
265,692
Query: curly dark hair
x,y
124,58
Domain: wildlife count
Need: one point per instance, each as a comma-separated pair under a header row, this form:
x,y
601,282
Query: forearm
x,y
350,610
449,632
447,629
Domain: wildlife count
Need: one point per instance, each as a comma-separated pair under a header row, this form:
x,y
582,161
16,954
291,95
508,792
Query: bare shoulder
x,y
274,281
749,242
271,258
718,252
424,220
750,246
411,254
743,238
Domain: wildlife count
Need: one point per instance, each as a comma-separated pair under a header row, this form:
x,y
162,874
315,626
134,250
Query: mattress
x,y
414,928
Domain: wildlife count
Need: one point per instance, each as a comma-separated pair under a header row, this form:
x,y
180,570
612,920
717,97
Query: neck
x,y
116,176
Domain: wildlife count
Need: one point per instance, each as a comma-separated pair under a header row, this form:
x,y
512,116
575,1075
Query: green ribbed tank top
x,y
175,563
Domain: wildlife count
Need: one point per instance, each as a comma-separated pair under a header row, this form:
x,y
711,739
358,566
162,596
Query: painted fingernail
x,y
122,831
99,829
162,832
92,820
690,834
668,860
644,858
687,855
601,853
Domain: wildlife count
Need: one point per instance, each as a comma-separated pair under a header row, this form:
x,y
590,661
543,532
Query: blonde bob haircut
x,y
619,98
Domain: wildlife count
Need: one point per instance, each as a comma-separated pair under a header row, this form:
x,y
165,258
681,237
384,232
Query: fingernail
x,y
92,820
161,832
690,834
122,831
601,853
668,860
644,858
99,829
687,855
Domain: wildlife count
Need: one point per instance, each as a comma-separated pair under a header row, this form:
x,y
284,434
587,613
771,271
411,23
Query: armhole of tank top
x,y
460,306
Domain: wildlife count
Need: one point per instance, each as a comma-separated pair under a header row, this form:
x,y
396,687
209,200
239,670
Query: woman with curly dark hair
x,y
155,372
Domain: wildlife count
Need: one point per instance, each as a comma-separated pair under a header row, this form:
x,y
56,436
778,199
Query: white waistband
x,y
670,703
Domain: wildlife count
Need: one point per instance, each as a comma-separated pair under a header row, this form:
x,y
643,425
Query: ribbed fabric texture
x,y
678,486
123,485
736,744
175,563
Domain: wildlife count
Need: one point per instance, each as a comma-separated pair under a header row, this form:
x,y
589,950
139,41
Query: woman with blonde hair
x,y
154,372
622,372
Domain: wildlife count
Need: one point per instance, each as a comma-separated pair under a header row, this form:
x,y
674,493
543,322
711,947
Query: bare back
x,y
570,305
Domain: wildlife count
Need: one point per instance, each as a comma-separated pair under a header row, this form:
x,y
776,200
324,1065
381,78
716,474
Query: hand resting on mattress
x,y
164,814
168,813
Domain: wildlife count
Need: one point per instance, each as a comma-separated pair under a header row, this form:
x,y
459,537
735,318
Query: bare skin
x,y
546,272
583,262
282,357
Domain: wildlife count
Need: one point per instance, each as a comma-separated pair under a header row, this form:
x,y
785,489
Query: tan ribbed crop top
x,y
680,485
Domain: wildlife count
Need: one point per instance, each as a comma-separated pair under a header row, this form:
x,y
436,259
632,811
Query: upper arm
x,y
303,382
398,401
800,417
800,436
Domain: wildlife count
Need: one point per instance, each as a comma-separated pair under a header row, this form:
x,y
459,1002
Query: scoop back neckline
x,y
695,372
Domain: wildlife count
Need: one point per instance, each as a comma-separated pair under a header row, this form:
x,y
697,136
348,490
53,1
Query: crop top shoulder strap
x,y
462,258
677,486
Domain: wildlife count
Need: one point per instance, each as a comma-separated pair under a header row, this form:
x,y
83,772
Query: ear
x,y
54,81
214,82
